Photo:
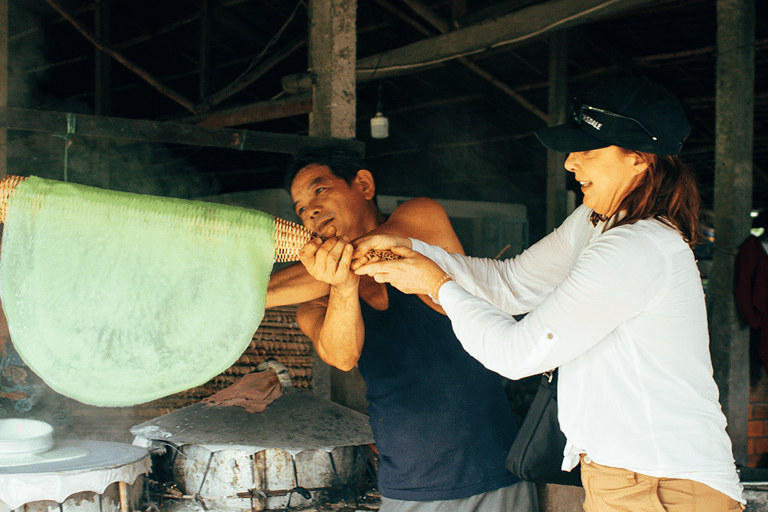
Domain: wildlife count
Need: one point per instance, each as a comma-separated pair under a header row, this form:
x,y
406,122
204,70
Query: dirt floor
x,y
369,501
164,496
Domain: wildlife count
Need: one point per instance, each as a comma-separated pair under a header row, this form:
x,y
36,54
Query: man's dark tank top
x,y
441,420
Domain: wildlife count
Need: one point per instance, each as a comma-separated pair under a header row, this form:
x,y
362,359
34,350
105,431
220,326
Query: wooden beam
x,y
250,76
438,103
163,89
494,11
258,112
498,139
428,14
385,4
506,30
159,132
513,28
443,26
458,10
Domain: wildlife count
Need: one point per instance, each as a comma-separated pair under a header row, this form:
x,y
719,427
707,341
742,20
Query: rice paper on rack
x,y
116,299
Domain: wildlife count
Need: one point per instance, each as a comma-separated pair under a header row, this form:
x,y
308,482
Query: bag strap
x,y
549,381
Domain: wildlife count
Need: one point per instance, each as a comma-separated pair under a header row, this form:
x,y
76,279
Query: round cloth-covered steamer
x,y
116,299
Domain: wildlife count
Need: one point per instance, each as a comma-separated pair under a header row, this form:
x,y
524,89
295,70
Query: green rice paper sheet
x,y
116,299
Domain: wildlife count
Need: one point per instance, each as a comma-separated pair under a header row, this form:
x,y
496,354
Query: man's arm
x,y
294,285
334,323
423,219
335,326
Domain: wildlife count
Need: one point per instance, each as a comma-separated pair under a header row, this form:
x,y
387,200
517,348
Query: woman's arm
x,y
615,278
516,285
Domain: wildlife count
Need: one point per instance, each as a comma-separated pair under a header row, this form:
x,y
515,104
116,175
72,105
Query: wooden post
x,y
333,55
558,105
205,48
103,97
332,60
735,75
124,503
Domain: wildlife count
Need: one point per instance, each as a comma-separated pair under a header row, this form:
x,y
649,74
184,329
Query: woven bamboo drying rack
x,y
7,185
289,236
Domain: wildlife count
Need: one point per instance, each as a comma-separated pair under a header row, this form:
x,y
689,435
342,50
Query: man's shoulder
x,y
419,214
419,205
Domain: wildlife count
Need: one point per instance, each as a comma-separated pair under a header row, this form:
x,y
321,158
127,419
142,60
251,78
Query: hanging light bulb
x,y
379,126
379,123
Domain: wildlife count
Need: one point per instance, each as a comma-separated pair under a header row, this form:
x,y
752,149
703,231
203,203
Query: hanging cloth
x,y
751,290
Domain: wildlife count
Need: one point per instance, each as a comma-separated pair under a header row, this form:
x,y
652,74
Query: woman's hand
x,y
413,273
328,259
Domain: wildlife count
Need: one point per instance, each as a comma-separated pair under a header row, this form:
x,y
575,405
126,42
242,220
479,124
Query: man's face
x,y
322,199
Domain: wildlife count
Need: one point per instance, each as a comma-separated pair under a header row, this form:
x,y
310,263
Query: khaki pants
x,y
619,490
519,497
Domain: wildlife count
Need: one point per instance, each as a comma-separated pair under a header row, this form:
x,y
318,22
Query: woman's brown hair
x,y
667,192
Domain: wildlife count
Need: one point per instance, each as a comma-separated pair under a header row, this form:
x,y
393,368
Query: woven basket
x,y
7,185
289,236
289,239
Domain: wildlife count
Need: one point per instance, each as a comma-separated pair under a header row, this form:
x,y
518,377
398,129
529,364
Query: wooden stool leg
x,y
124,507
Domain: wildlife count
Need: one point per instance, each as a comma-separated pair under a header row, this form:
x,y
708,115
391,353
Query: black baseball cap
x,y
632,113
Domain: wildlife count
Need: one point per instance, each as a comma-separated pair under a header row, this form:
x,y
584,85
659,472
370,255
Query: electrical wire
x,y
272,41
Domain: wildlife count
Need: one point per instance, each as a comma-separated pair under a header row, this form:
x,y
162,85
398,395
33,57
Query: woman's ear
x,y
365,183
638,162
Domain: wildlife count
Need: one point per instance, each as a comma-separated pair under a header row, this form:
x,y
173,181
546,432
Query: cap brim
x,y
567,138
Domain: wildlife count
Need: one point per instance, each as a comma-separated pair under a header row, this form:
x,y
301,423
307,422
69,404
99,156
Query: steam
x,y
122,165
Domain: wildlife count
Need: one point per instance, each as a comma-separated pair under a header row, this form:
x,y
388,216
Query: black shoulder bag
x,y
537,453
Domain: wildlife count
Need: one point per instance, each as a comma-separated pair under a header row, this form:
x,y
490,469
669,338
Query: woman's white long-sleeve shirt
x,y
621,313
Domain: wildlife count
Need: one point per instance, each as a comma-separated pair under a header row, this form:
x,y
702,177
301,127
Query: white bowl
x,y
24,437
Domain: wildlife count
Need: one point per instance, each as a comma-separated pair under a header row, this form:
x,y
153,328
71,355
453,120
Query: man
x,y
441,421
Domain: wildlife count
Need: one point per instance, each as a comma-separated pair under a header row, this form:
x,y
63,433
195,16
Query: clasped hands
x,y
340,261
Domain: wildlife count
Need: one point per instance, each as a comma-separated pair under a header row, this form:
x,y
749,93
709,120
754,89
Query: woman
x,y
614,300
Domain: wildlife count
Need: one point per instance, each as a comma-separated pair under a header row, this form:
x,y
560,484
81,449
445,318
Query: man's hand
x,y
328,259
367,246
412,273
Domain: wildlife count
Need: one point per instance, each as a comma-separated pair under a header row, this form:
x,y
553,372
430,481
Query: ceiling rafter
x,y
503,31
443,27
138,70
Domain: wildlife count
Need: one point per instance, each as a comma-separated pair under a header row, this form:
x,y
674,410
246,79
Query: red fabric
x,y
254,392
750,287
